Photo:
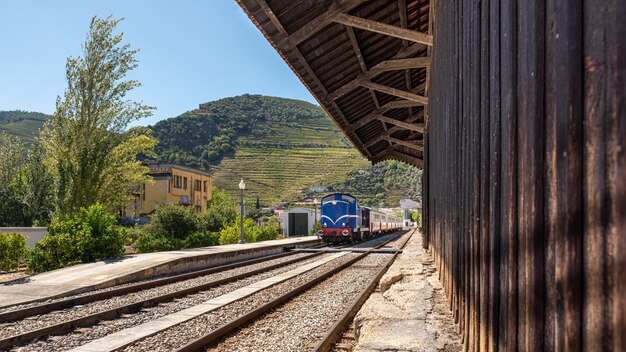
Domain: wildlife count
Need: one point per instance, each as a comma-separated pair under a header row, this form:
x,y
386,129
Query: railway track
x,y
333,288
25,324
66,323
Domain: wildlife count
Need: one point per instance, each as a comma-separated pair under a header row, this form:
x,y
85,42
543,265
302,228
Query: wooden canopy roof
x,y
366,62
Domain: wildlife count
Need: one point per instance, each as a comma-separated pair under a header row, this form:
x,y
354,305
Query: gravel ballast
x,y
297,325
83,335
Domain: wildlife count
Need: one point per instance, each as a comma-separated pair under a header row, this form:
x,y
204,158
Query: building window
x,y
205,187
178,182
185,182
198,185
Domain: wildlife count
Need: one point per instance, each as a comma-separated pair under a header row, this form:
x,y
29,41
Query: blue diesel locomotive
x,y
343,220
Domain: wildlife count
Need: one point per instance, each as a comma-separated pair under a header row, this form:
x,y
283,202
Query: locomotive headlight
x,y
343,224
325,225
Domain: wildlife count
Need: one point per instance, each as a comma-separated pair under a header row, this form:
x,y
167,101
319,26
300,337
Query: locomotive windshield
x,y
339,211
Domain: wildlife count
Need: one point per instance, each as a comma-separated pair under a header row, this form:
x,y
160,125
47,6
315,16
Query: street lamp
x,y
242,186
315,207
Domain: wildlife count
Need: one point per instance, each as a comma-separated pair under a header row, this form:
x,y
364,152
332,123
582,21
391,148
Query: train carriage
x,y
343,220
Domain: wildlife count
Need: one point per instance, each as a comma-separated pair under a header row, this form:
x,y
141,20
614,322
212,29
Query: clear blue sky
x,y
191,52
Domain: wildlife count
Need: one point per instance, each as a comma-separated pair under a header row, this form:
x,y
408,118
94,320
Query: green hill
x,y
281,147
22,124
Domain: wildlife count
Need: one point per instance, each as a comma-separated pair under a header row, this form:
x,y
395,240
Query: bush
x,y
202,239
173,221
148,242
231,233
90,235
266,233
12,250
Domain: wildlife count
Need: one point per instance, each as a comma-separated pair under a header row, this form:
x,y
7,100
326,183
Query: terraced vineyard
x,y
279,161
22,124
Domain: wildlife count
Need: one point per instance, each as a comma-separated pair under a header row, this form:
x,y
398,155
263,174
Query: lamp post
x,y
242,186
315,207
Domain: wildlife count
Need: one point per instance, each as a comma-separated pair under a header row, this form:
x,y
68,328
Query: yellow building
x,y
173,184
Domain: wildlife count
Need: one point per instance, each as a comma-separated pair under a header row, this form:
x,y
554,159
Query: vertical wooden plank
x,y
565,119
596,326
494,176
616,151
530,146
483,155
509,225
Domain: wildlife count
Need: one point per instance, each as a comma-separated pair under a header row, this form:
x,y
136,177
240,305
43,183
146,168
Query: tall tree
x,y
11,155
92,158
34,186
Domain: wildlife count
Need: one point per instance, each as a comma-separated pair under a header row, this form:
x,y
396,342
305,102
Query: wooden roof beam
x,y
379,112
407,144
400,64
318,23
407,126
383,28
395,92
407,158
368,75
268,11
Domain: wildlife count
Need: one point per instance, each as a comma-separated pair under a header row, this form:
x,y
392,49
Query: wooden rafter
x,y
318,23
359,56
387,65
407,126
270,14
396,92
406,158
408,144
383,28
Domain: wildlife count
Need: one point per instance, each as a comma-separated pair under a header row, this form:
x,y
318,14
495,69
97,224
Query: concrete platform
x,y
85,277
410,311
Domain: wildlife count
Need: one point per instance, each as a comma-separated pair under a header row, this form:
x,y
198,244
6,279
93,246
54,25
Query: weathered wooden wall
x,y
525,182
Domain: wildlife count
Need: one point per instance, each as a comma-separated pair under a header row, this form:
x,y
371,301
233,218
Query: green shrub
x,y
173,221
52,252
12,250
220,210
90,235
202,239
266,233
231,233
149,242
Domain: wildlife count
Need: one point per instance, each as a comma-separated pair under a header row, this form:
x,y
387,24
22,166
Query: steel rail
x,y
335,332
98,296
215,335
113,313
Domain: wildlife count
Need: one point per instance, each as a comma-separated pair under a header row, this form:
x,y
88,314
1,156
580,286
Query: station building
x,y
173,184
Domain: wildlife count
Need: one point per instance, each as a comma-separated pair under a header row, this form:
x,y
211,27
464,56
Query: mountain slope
x,y
22,124
279,146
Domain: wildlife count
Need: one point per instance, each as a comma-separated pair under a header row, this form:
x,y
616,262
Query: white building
x,y
299,221
407,205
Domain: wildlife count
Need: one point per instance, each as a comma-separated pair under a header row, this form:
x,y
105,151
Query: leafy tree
x,y
221,209
92,157
33,186
11,154
173,221
11,209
